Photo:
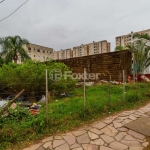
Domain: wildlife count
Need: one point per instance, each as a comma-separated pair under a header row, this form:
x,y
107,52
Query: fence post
x,y
84,87
46,98
123,86
109,90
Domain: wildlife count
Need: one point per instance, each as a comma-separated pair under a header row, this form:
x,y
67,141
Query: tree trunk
x,y
15,57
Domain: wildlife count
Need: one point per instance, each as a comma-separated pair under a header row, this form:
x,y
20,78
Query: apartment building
x,y
63,54
124,40
55,55
82,50
99,47
37,52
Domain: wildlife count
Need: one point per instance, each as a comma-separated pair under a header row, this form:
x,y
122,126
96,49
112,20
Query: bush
x,y
31,77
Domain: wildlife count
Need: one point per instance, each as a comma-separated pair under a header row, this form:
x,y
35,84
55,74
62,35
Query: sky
x,y
62,24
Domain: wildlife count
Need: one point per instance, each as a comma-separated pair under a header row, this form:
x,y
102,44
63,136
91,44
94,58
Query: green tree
x,y
140,55
1,60
12,47
141,36
119,48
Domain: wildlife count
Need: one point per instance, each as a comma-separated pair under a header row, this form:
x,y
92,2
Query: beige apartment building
x,y
82,50
40,53
62,54
55,55
99,47
124,40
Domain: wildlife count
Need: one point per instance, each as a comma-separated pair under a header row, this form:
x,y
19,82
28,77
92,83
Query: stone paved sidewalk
x,y
108,134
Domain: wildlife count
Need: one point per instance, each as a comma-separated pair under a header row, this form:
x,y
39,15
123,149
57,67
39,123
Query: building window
x,y
38,57
34,55
43,51
29,49
38,50
29,55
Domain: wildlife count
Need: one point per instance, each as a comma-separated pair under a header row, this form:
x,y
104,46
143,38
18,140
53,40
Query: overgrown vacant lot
x,y
19,128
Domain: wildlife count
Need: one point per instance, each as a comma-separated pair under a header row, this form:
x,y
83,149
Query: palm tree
x,y
140,55
1,60
12,47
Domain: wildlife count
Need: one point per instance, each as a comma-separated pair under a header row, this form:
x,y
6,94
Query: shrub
x,y
31,77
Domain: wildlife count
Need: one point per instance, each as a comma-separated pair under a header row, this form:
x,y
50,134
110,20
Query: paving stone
x,y
131,143
122,129
96,131
141,111
98,142
105,144
145,109
33,147
93,136
138,113
145,144
90,147
63,147
117,124
118,120
57,137
58,143
47,144
130,112
78,133
88,128
129,138
100,125
75,146
69,134
118,146
132,117
141,141
40,148
79,148
47,139
107,138
127,121
105,148
83,139
135,148
119,136
108,121
136,135
137,116
69,139
111,125
111,131
123,115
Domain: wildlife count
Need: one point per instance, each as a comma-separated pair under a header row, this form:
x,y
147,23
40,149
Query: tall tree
x,y
140,53
12,47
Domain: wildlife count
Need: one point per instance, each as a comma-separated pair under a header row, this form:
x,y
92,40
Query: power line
x,y
14,11
2,1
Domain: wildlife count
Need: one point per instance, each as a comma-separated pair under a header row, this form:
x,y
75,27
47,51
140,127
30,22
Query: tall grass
x,y
68,113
